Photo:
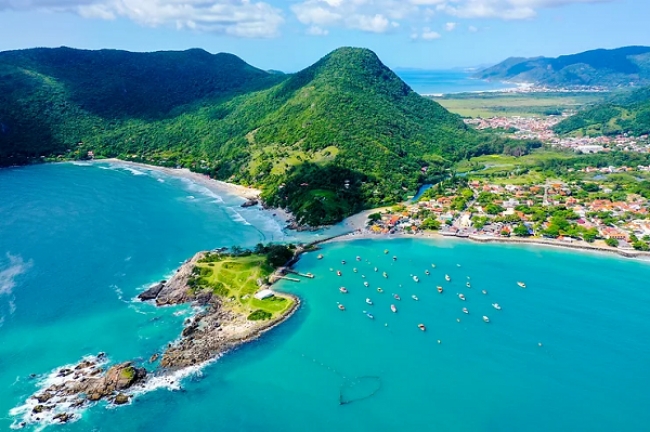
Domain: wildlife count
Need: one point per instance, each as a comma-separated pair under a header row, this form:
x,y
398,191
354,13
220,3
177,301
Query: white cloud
x,y
472,29
450,26
317,31
426,35
240,18
504,9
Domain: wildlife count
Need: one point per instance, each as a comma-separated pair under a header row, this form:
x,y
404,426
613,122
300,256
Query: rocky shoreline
x,y
210,333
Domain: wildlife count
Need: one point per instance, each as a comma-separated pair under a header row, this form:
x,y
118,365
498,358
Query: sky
x,y
289,35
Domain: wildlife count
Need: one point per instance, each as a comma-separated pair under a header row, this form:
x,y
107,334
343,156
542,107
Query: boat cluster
x,y
416,279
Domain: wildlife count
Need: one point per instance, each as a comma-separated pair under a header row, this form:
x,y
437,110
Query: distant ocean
x,y
77,244
447,81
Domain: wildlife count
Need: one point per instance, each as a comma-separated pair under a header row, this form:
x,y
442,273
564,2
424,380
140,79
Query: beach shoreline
x,y
576,246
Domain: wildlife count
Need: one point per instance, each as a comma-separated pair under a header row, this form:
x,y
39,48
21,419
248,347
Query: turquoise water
x,y
447,81
83,241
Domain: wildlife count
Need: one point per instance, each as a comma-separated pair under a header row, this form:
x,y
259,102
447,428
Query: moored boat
x,y
414,297
468,285
342,261
365,283
394,258
440,289
368,301
379,290
427,272
416,279
344,290
422,327
369,315
433,265
393,308
376,269
338,272
447,278
496,306
384,274
484,292
385,251
461,296
309,275
396,297
521,284
358,258
355,270
341,307
465,310
486,319
320,256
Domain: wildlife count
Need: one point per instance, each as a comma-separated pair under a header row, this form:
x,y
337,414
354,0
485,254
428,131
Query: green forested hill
x,y
343,134
619,67
626,113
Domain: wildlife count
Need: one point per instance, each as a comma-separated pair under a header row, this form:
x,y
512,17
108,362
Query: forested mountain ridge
x,y
620,67
341,135
626,113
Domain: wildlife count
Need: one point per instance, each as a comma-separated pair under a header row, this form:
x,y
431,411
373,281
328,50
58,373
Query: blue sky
x,y
291,34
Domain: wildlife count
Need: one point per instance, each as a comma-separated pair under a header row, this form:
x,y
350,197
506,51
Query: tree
x,y
430,224
590,235
505,233
521,231
374,217
641,246
612,242
493,209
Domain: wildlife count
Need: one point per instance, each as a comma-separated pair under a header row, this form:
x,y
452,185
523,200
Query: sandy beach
x,y
217,186
582,246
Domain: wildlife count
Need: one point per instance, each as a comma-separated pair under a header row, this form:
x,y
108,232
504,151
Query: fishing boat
x,y
341,307
440,289
422,327
468,285
384,274
338,272
366,284
393,308
484,292
396,297
433,265
358,258
427,272
496,306
379,290
414,297
486,319
368,301
320,256
465,310
447,278
343,262
462,297
416,279
385,251
369,315
309,275
344,290
394,258
355,270
376,269
521,284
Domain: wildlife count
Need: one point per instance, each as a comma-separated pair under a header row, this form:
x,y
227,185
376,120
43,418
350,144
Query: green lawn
x,y
235,280
516,104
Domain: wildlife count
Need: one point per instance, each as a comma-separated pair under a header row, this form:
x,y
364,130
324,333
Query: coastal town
x,y
541,128
565,213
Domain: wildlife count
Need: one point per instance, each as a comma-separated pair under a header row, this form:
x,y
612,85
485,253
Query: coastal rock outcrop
x,y
152,292
250,203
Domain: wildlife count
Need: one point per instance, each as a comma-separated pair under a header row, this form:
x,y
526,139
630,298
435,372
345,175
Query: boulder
x,y
152,293
250,203
121,399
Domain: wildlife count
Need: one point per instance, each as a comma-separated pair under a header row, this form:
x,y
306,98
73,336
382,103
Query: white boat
x,y
376,269
369,315
393,308
384,274
462,297
486,319
396,297
468,285
338,272
422,327
368,301
344,290
355,270
366,283
427,272
320,256
358,258
342,261
416,279
394,258
465,310
521,284
379,290
447,278
484,292
341,307
496,306
433,265
414,297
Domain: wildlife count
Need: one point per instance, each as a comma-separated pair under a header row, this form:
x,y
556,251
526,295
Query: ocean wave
x,y
24,414
81,164
172,380
192,186
16,267
237,217
120,167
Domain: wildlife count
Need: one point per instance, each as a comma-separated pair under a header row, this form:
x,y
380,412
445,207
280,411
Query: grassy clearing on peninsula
x,y
235,280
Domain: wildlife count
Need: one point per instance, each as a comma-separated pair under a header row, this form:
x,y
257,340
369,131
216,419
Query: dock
x,y
307,275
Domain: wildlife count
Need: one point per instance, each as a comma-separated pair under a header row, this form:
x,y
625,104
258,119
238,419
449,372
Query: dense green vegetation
x,y
339,136
628,113
607,68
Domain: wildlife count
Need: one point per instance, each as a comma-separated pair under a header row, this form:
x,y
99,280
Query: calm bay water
x,y
447,81
78,243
